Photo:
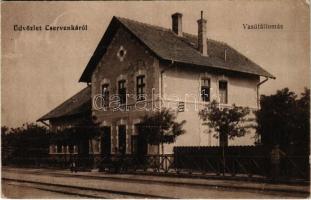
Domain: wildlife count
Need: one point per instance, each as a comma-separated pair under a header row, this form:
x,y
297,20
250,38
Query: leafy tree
x,y
4,130
33,141
30,140
29,136
4,140
160,128
285,120
301,137
227,122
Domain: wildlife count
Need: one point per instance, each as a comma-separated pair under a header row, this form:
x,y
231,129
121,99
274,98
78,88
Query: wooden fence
x,y
242,160
250,160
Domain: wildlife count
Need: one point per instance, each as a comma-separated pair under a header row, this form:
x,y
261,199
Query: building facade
x,y
139,68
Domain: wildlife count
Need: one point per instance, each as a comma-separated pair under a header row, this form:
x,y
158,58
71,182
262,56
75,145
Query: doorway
x,y
122,139
139,144
106,142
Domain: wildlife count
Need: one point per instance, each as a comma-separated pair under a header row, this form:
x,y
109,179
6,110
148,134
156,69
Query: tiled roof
x,y
77,104
166,45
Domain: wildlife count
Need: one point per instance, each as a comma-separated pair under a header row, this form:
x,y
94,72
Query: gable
x,y
102,48
138,60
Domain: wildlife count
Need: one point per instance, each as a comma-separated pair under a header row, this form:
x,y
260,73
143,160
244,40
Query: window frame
x,y
226,91
140,87
122,96
105,95
97,142
205,98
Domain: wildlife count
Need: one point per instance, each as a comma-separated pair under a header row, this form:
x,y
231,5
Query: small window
x,y
59,149
105,94
122,91
205,89
94,145
223,92
63,149
181,106
75,149
140,86
53,149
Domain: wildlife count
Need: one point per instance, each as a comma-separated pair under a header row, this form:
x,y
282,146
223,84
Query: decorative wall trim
x,y
105,81
105,123
120,78
223,78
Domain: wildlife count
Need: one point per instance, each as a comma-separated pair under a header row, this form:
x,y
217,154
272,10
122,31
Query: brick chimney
x,y
202,43
177,23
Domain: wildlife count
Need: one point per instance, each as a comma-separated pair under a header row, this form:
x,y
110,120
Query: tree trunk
x,y
223,139
223,142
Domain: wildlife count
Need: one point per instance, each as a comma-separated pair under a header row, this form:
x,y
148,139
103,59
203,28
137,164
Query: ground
x,y
43,183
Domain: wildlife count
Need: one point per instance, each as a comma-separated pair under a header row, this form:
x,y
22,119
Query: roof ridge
x,y
207,38
182,38
144,23
155,26
170,30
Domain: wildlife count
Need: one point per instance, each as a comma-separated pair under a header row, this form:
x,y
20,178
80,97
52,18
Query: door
x,y
139,143
106,142
122,139
142,146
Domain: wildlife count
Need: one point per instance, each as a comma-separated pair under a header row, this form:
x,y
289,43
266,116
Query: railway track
x,y
132,180
77,191
116,179
135,182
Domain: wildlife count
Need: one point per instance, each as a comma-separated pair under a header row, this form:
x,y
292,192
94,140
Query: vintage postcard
x,y
155,99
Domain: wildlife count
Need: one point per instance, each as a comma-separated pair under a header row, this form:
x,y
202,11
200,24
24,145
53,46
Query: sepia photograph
x,y
155,99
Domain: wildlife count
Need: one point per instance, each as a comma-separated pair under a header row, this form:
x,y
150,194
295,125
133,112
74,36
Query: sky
x,y
40,70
